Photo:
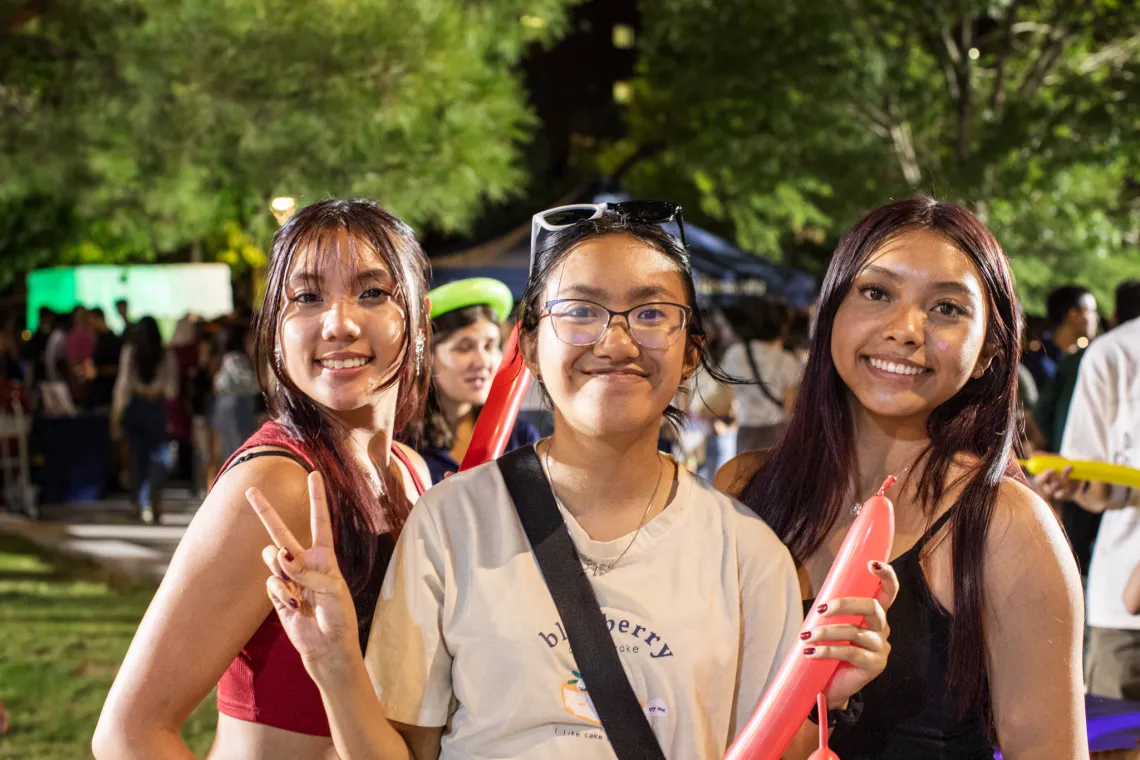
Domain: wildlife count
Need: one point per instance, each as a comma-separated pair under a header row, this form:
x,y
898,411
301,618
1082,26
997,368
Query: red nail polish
x,y
293,603
284,577
809,651
877,565
288,556
821,609
805,635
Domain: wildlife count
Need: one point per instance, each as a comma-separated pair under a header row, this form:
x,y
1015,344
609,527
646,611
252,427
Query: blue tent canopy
x,y
724,273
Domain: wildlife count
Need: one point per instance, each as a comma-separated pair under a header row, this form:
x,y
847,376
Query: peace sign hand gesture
x,y
307,590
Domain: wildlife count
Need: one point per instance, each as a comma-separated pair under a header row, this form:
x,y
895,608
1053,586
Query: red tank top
x,y
267,682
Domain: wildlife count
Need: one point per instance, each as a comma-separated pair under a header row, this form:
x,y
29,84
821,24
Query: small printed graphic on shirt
x,y
576,700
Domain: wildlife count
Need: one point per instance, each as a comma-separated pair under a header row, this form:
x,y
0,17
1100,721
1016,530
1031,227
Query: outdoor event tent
x,y
724,273
166,292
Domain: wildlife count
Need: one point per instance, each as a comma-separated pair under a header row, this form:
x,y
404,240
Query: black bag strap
x,y
626,726
759,380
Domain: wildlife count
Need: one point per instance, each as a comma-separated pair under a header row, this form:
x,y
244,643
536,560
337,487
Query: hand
x,y
1052,485
307,590
869,646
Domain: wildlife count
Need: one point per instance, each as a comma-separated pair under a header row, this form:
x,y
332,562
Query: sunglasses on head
x,y
641,212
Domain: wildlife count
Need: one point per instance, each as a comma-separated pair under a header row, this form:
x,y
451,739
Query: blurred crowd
x,y
176,407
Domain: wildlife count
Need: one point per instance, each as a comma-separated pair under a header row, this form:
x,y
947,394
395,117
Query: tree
x,y
154,125
790,119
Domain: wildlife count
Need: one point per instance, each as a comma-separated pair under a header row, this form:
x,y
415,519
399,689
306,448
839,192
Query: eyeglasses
x,y
653,326
643,212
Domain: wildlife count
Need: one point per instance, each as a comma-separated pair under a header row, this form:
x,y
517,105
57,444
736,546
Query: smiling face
x,y
911,331
342,327
464,363
614,386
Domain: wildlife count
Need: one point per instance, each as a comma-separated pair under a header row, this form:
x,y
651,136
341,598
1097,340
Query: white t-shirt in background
x,y
779,370
703,609
1104,426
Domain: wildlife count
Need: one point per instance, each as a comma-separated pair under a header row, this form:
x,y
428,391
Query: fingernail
x,y
809,651
293,603
805,635
285,577
821,609
877,565
288,556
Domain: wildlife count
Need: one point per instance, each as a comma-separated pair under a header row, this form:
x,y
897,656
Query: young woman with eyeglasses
x,y
468,652
913,371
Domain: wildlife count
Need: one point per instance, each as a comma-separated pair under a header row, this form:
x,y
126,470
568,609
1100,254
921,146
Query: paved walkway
x,y
109,532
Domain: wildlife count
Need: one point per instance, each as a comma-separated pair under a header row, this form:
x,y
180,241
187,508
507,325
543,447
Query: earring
x,y
419,351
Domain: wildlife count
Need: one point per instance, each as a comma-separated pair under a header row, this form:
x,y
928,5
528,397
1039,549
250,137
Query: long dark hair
x,y
357,515
146,345
433,429
800,490
557,245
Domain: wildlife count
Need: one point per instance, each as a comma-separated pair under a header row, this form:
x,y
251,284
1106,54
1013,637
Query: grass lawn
x,y
64,628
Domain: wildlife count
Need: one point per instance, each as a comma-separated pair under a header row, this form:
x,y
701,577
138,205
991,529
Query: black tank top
x,y
908,711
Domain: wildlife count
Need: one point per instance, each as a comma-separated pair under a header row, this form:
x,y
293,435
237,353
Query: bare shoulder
x,y
282,480
417,462
738,472
1026,545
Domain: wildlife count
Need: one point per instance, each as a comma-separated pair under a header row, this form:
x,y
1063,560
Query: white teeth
x,y
343,363
897,369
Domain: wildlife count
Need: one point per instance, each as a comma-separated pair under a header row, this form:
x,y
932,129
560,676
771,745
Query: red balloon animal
x,y
786,704
497,419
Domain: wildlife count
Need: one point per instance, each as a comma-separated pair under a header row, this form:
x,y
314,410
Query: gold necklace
x,y
601,568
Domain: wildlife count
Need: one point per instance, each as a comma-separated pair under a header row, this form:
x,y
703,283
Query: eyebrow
x,y
951,285
643,291
368,275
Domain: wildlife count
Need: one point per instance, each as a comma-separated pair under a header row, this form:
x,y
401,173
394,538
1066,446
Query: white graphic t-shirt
x,y
703,608
1104,426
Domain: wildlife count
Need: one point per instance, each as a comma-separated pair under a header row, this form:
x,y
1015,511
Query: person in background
x,y
1132,592
466,350
124,310
147,380
206,459
235,392
9,350
55,352
1073,319
36,348
104,362
798,340
80,345
762,407
1104,426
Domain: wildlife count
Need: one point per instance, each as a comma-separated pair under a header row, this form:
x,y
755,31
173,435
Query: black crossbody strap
x,y
759,380
593,649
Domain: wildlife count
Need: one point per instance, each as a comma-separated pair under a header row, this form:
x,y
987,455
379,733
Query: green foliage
x,y
790,119
67,625
156,124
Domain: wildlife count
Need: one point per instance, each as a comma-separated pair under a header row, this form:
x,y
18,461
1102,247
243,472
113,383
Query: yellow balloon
x,y
1103,472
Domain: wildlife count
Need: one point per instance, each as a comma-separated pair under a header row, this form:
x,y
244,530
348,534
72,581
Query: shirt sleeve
x,y
771,616
1092,410
407,657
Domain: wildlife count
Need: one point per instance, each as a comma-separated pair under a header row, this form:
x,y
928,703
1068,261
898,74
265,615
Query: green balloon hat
x,y
476,291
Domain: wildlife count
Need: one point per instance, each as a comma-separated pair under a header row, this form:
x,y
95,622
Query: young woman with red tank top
x,y
341,344
913,371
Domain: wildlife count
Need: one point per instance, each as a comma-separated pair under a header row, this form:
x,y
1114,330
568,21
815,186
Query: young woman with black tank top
x,y
912,371
341,344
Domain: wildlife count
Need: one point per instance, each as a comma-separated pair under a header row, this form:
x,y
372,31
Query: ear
x,y
985,359
693,351
528,348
